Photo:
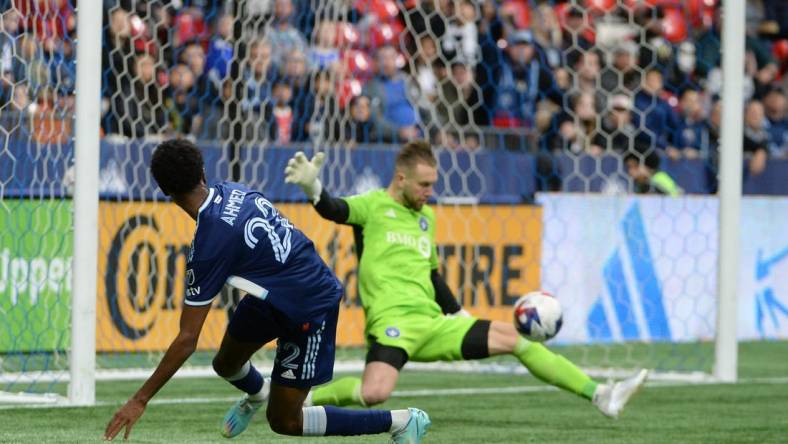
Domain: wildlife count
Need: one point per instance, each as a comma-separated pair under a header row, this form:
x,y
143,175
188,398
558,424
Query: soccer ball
x,y
538,316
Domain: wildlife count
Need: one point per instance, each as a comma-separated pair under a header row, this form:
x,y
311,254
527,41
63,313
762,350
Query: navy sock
x,y
248,380
345,422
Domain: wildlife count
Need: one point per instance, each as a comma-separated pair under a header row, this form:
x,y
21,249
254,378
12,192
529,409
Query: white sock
x,y
265,390
241,373
399,419
314,421
308,400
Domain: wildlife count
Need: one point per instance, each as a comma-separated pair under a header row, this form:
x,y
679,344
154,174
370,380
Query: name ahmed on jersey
x,y
233,205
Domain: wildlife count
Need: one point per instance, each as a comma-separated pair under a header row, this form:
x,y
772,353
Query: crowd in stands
x,y
631,77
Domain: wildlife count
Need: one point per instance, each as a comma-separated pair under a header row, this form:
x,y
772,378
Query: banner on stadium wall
x,y
763,275
35,275
644,268
492,255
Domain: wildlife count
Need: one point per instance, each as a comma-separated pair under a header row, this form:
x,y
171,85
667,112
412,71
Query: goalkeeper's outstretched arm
x,y
444,296
332,208
304,173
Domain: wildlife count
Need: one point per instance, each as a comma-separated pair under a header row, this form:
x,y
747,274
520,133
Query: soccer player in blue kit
x,y
242,240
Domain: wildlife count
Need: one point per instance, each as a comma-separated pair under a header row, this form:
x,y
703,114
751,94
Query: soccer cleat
x,y
610,399
238,417
414,430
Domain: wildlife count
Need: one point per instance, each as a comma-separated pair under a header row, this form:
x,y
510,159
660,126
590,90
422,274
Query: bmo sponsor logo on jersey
x,y
421,243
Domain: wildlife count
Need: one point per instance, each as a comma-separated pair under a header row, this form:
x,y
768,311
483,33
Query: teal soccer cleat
x,y
414,430
238,417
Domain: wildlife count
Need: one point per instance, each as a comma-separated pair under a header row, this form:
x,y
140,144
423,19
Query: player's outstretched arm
x,y
444,296
304,173
192,319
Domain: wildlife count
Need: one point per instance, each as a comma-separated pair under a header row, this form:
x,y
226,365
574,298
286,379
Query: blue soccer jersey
x,y
244,241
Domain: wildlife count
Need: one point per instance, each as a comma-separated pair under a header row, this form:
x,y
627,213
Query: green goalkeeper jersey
x,y
398,255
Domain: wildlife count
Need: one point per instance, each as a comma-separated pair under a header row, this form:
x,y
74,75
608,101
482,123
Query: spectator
x,y
714,128
324,118
116,57
647,177
204,93
774,104
359,128
220,50
138,109
392,95
8,48
182,104
656,117
655,51
297,76
548,34
622,76
457,102
193,56
617,133
62,62
324,53
29,65
680,70
574,41
462,35
523,80
775,17
585,78
427,17
708,49
278,115
574,131
425,56
259,76
756,138
283,36
693,125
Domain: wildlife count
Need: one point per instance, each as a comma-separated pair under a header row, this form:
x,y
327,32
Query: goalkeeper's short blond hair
x,y
414,152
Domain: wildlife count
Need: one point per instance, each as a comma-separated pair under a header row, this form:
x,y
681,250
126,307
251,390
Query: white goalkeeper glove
x,y
304,173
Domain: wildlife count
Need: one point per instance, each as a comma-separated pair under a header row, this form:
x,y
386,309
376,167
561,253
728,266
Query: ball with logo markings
x,y
538,316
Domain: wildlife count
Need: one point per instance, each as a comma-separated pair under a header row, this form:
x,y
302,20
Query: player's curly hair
x,y
416,151
177,166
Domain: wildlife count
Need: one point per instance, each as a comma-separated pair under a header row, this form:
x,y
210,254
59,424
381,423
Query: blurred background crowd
x,y
639,79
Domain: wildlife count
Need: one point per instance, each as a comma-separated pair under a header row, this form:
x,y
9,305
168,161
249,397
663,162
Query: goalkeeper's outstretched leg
x,y
479,339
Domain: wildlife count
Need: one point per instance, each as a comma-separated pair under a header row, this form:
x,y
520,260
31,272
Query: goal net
x,y
547,118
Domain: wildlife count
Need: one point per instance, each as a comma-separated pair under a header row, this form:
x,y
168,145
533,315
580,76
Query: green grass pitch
x,y
190,410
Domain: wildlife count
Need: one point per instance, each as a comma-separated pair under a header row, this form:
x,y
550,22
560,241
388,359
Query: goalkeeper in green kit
x,y
411,313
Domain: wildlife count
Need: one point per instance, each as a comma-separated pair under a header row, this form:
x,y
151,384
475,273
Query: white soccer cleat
x,y
414,430
610,399
238,417
240,414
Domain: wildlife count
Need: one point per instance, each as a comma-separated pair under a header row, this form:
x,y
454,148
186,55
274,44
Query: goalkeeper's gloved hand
x,y
304,173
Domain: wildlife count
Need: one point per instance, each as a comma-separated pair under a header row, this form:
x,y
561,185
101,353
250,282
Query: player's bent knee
x,y
374,395
284,424
221,367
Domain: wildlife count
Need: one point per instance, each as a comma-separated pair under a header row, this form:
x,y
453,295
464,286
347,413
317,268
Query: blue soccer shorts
x,y
304,351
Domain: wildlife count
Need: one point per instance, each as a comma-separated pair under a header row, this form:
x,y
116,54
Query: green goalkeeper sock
x,y
553,369
342,392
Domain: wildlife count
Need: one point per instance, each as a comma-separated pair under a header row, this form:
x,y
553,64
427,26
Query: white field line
x,y
471,391
481,367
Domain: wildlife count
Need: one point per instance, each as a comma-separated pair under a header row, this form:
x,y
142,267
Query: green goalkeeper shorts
x,y
424,338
